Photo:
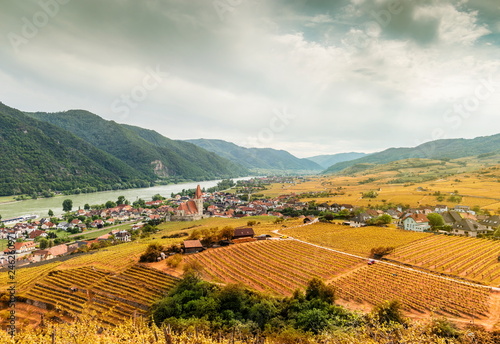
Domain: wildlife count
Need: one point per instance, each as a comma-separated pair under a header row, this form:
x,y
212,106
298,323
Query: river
x,y
41,206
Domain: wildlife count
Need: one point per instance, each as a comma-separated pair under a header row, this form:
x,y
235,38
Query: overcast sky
x,y
310,77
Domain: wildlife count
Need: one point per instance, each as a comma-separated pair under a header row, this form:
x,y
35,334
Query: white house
x,y
416,222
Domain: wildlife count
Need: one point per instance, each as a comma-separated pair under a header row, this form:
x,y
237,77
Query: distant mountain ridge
x,y
257,158
439,149
328,160
144,150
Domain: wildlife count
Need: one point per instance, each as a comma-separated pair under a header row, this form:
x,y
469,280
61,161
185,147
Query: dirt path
x,y
493,322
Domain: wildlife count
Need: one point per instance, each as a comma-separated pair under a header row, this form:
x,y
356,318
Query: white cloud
x,y
349,87
455,27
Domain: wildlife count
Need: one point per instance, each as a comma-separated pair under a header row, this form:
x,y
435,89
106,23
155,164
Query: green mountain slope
x,y
439,149
37,156
328,160
256,158
170,159
193,153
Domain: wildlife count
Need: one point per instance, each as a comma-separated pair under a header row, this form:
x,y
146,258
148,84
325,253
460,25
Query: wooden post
x,y
168,336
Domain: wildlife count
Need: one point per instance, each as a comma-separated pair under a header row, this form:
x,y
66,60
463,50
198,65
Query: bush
x,y
174,261
379,252
442,327
389,312
152,253
370,194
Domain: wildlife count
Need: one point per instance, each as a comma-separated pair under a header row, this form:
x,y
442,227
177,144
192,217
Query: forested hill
x,y
439,149
144,150
260,158
37,156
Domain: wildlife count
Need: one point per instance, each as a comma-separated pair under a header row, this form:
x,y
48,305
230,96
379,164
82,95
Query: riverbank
x,y
41,206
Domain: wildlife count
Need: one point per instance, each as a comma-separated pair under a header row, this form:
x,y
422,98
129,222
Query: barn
x,y
243,232
192,246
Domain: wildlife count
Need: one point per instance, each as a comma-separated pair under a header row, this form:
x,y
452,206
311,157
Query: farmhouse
x,y
492,222
451,217
22,247
416,222
359,220
243,232
36,233
123,236
192,246
440,208
470,228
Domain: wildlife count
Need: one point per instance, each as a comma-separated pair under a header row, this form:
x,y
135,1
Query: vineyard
x,y
113,297
471,258
281,266
353,240
275,266
415,290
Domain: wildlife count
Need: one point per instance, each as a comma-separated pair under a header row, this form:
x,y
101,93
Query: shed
x,y
192,246
243,232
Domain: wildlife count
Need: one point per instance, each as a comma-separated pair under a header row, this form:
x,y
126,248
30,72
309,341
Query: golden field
x,y
480,188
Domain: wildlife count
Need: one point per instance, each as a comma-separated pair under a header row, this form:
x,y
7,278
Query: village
x,y
37,240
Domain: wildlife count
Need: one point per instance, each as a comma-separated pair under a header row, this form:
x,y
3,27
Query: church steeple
x,y
198,199
198,193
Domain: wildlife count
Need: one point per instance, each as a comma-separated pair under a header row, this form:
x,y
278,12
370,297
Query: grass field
x,y
5,199
353,240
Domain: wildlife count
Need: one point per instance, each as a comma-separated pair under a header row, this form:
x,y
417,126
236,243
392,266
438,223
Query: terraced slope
x,y
114,297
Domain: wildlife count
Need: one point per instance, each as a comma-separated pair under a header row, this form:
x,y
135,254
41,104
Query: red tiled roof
x,y
419,218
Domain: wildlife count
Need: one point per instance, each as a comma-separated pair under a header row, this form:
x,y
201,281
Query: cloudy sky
x,y
311,77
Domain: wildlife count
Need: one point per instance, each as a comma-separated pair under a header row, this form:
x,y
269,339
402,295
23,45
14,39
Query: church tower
x,y
198,199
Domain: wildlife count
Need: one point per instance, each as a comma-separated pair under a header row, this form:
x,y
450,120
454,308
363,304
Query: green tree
x,y
436,221
121,200
50,213
44,243
110,204
67,205
140,203
86,206
317,289
158,197
381,220
314,320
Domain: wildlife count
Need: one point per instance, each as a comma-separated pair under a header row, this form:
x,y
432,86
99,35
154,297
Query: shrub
x,y
389,312
152,253
379,252
174,261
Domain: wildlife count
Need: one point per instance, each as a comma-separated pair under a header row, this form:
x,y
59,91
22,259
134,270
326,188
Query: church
x,y
191,210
